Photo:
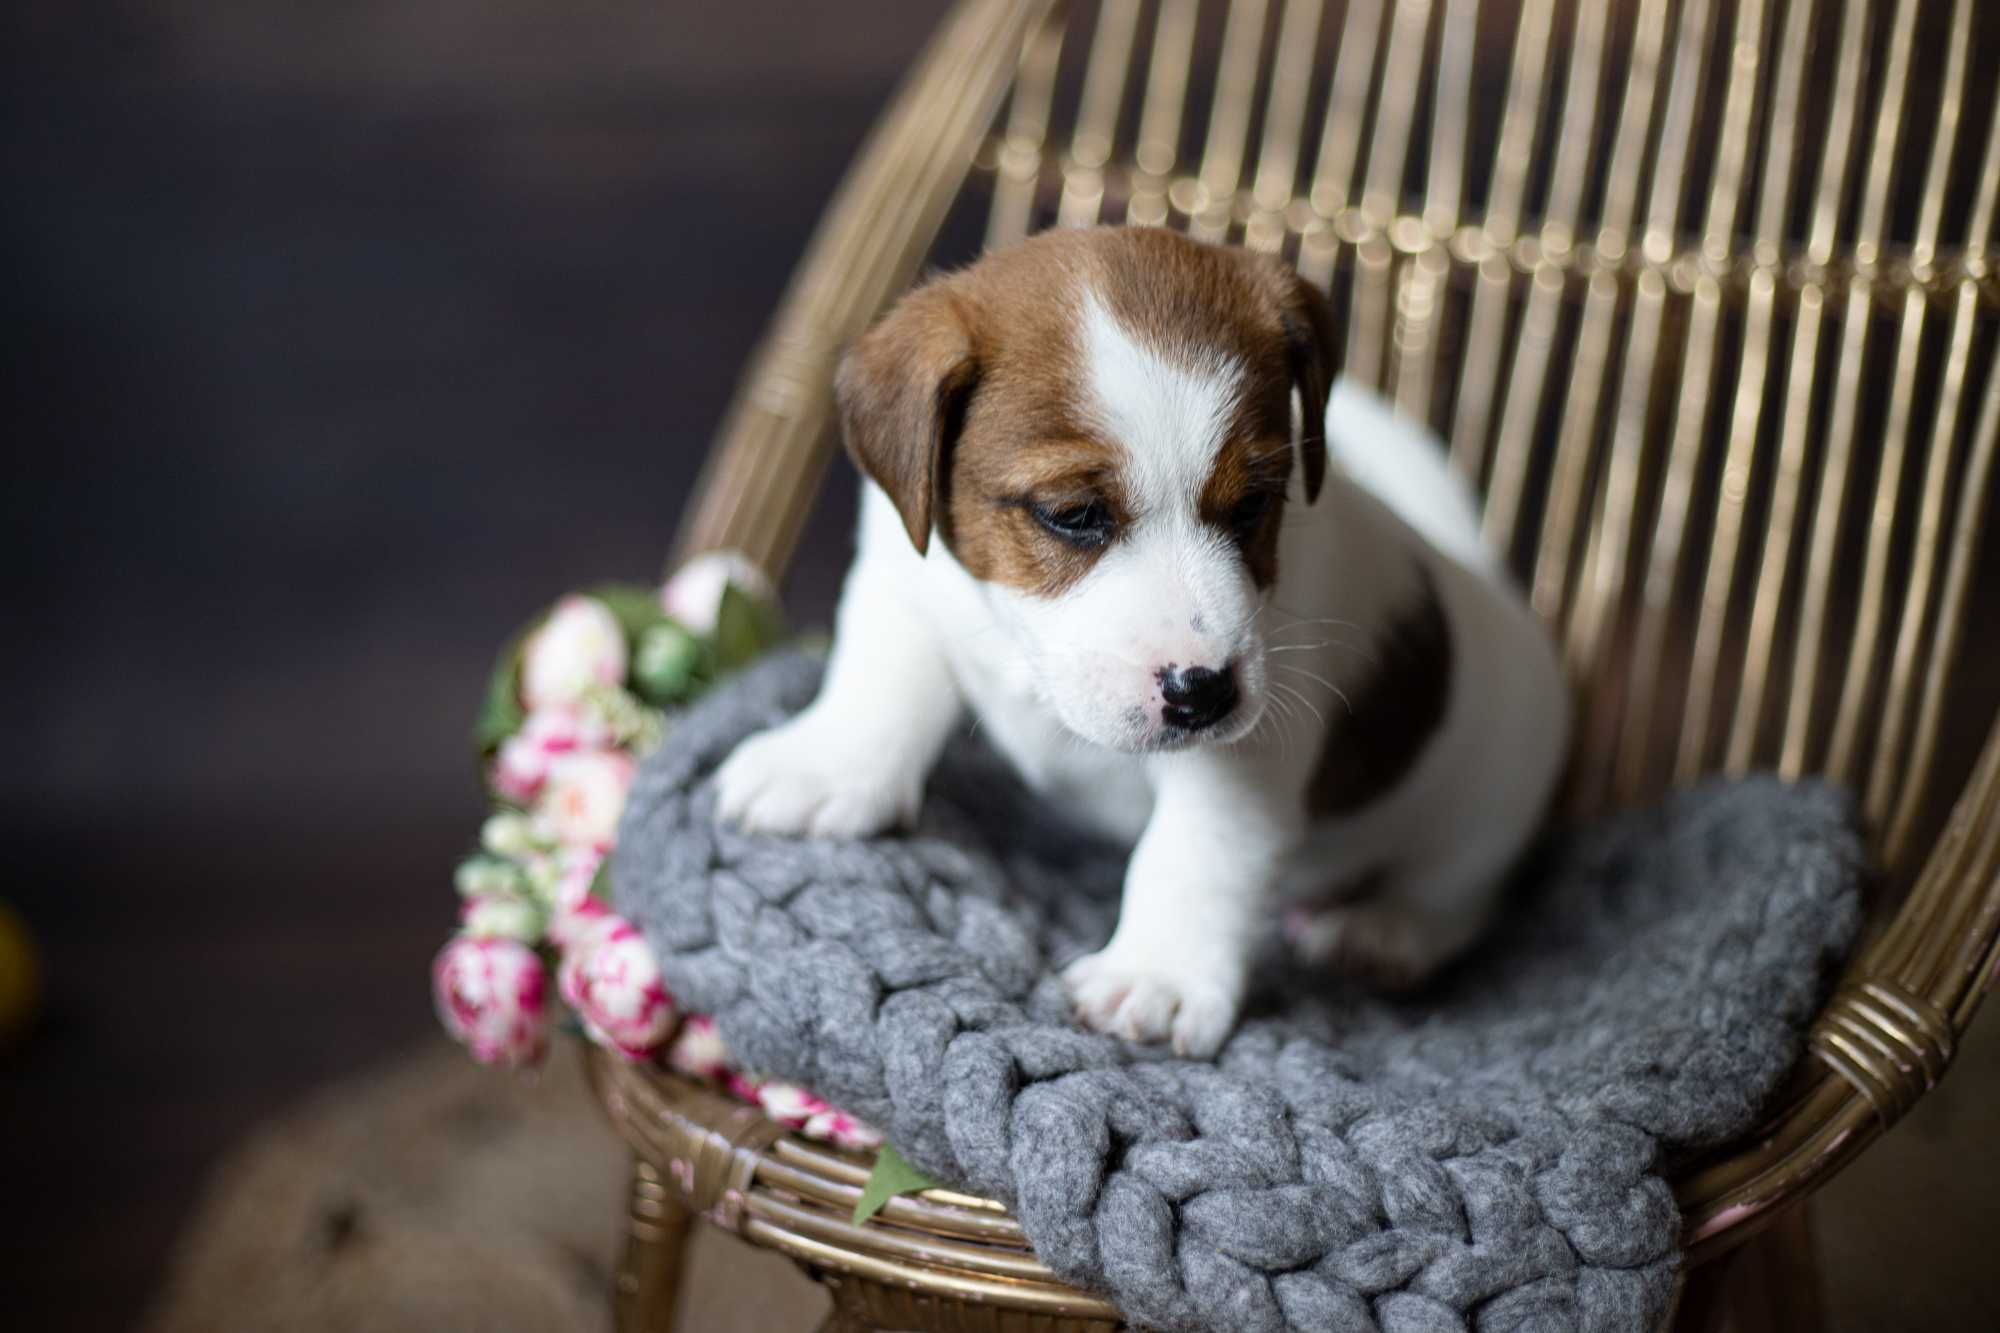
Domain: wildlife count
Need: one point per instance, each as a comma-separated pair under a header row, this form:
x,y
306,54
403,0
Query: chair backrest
x,y
1700,291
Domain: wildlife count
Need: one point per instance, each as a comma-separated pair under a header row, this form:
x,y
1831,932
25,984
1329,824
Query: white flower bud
x,y
486,876
507,834
504,918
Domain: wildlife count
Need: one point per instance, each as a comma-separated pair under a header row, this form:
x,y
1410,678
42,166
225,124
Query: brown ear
x,y
902,390
1309,347
1307,320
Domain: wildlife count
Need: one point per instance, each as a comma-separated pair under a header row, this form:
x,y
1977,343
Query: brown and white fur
x,y
1100,514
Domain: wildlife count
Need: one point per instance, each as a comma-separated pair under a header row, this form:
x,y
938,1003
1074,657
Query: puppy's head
x,y
1102,427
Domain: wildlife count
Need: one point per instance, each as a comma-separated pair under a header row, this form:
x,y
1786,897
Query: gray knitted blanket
x,y
1487,1156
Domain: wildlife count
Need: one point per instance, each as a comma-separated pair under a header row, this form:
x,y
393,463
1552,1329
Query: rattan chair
x,y
1699,292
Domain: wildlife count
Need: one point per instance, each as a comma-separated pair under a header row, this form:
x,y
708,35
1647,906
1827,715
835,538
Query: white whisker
x,y
1313,676
1300,696
1297,620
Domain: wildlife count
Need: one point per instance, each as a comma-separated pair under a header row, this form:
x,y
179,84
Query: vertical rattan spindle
x,y
1827,178
1493,284
1815,637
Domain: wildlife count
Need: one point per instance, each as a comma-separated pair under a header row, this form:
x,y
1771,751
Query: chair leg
x,y
1776,1287
1699,1308
656,1237
1769,1285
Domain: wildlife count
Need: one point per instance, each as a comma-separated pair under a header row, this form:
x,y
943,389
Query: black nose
x,y
1197,697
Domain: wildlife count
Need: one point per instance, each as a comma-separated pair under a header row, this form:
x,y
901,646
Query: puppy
x,y
1100,513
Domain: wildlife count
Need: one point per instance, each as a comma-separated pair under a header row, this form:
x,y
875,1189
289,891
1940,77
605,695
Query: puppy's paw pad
x,y
791,782
1096,990
1114,996
1203,1024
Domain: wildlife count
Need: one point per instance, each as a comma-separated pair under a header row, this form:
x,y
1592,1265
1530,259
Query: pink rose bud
x,y
584,795
789,1104
843,1131
743,1087
580,645
519,770
613,983
492,995
576,871
693,596
522,764
573,925
697,1049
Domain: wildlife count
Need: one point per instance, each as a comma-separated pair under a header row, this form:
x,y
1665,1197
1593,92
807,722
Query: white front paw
x,y
807,777
1155,993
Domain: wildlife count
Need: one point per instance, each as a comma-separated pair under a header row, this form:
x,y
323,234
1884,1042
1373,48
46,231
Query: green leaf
x,y
665,664
500,714
636,609
891,1176
635,606
744,628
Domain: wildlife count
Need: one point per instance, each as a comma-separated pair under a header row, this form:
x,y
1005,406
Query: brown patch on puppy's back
x,y
1392,717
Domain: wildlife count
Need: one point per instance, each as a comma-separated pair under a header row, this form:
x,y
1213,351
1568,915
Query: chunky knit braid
x,y
1486,1157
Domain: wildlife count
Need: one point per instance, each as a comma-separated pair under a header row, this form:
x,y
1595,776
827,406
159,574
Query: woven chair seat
x,y
1702,296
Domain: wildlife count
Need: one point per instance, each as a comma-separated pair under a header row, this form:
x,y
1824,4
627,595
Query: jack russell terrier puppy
x,y
1099,512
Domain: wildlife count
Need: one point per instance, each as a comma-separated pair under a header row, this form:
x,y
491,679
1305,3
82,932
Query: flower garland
x,y
573,705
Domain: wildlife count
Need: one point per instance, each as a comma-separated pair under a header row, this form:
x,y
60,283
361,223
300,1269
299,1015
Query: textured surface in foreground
x,y
1494,1147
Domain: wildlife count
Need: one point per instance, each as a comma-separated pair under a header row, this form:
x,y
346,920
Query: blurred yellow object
x,y
20,975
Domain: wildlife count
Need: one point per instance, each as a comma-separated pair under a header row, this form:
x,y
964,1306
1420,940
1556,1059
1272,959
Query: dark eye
x,y
1249,513
1087,524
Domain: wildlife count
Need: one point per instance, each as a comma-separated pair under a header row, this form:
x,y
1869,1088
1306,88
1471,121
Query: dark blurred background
x,y
339,339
